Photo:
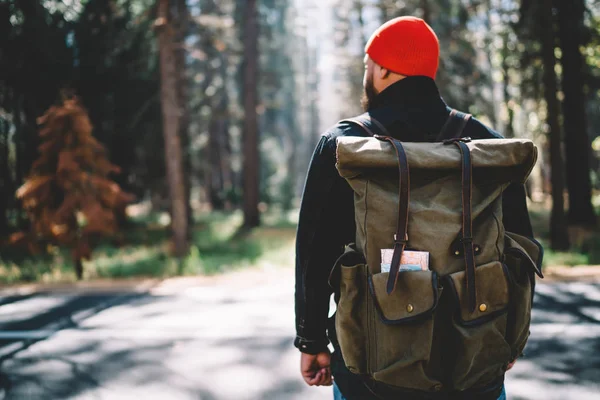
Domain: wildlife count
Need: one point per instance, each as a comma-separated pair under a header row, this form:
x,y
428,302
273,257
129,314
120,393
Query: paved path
x,y
230,338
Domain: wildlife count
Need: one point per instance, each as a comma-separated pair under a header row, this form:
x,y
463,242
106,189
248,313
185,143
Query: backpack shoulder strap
x,y
454,126
369,125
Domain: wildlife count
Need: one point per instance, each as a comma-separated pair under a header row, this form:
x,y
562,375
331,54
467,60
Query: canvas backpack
x,y
458,324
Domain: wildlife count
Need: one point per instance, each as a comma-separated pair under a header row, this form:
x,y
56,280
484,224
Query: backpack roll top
x,y
459,323
503,160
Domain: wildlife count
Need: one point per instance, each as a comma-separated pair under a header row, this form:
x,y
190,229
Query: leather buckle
x,y
404,242
467,240
381,137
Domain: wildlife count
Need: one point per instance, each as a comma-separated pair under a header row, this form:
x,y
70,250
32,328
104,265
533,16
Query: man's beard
x,y
369,95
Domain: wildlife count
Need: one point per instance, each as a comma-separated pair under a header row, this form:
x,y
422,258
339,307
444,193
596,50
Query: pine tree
x,y
251,136
213,37
572,34
171,110
68,196
559,238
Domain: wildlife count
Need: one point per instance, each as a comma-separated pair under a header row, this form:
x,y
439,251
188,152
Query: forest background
x,y
167,137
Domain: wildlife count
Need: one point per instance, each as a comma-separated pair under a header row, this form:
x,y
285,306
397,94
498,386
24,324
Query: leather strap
x,y
467,223
463,124
379,125
446,127
369,124
467,218
447,131
401,237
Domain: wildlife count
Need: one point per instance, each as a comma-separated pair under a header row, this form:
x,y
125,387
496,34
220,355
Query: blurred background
x,y
153,155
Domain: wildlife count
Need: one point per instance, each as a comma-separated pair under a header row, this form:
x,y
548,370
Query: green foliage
x,y
569,259
105,51
217,247
101,50
585,250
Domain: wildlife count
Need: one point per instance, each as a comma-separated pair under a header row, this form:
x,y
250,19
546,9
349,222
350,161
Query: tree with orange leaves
x,y
68,196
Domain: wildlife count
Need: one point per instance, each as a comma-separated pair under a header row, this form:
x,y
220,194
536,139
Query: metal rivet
x,y
410,308
482,308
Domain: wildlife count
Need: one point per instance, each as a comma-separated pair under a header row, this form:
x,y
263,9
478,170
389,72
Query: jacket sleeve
x,y
325,225
514,210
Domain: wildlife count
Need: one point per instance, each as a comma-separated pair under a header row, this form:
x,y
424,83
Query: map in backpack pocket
x,y
410,261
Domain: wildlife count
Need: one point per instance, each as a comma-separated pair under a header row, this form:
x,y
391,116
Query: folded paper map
x,y
410,261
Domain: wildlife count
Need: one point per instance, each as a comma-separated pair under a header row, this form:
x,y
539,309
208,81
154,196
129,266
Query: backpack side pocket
x,y
521,270
351,317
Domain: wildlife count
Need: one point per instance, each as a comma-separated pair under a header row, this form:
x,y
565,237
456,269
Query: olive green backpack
x,y
457,325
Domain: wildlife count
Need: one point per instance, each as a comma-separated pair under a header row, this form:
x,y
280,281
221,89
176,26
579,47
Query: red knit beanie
x,y
407,46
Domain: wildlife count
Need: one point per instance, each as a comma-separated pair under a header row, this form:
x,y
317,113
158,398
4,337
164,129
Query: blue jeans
x,y
337,395
503,394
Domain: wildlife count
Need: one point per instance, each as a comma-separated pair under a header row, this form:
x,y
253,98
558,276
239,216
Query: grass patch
x,y
219,246
563,258
585,244
216,247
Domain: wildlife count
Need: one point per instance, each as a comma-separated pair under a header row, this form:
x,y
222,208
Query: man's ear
x,y
384,73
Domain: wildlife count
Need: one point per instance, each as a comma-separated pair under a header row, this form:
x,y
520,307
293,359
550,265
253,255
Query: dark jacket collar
x,y
410,92
412,106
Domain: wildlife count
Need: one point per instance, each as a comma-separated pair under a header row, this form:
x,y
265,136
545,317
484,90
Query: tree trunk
x,y
251,163
5,178
577,143
182,18
559,238
20,158
225,172
171,130
315,121
358,7
509,131
384,11
215,182
426,11
78,268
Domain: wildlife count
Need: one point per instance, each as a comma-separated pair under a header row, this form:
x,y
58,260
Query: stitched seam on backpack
x,y
498,238
365,228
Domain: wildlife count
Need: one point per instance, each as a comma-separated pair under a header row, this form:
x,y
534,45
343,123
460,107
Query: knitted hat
x,y
407,46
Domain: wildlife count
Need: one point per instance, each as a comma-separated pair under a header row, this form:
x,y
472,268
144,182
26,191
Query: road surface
x,y
230,337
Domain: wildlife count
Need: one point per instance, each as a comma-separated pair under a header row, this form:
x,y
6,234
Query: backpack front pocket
x,y
481,353
402,330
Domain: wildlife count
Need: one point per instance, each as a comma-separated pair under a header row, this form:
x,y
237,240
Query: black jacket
x,y
413,111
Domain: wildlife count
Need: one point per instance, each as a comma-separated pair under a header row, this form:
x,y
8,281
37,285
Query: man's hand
x,y
512,364
316,369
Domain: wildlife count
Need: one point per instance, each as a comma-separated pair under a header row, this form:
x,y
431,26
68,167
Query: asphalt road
x,y
231,338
